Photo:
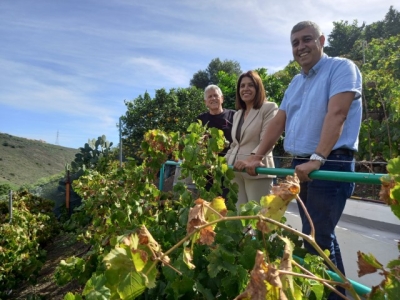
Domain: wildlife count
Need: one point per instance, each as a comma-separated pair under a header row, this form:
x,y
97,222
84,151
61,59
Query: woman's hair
x,y
259,98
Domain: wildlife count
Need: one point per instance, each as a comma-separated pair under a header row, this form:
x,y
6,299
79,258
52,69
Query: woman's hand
x,y
250,164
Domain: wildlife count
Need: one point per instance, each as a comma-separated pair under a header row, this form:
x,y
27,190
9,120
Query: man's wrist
x,y
317,157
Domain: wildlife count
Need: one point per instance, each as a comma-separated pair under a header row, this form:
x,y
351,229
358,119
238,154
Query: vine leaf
x,y
196,216
367,264
207,236
274,205
95,288
188,258
201,214
146,239
264,283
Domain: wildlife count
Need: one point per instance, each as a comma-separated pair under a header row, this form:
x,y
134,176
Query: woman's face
x,y
247,90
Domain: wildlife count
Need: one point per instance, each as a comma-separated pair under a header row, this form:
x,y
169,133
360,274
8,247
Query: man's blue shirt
x,y
306,103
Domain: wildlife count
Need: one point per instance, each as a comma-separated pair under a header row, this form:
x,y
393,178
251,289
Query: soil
x,y
46,288
62,248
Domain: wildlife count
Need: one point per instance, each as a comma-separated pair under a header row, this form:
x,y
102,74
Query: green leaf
x,y
183,287
316,287
131,286
247,257
393,166
70,296
394,263
207,294
95,288
392,287
118,259
138,260
396,209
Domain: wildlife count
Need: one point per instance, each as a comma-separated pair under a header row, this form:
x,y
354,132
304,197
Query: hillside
x,y
24,161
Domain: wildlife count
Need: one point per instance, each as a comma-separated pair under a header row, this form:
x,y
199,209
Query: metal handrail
x,y
357,177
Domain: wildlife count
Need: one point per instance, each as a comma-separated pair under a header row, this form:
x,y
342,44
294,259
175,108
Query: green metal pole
x,y
327,175
360,289
357,177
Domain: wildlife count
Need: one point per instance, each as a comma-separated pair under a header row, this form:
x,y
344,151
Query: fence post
x,y
67,183
161,178
10,205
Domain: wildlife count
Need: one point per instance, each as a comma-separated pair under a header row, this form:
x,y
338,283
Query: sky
x,y
67,66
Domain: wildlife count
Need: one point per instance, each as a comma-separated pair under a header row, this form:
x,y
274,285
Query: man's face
x,y
307,47
213,100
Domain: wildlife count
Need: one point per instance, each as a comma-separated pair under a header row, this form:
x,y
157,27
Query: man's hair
x,y
212,87
304,24
259,97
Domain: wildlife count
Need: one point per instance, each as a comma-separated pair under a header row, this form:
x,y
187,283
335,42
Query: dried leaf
x,y
196,216
207,235
145,238
388,183
287,190
264,282
367,264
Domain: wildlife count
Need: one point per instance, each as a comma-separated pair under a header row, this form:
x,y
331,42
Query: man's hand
x,y
305,169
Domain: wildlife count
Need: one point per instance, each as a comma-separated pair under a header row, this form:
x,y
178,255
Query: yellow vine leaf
x,y
274,206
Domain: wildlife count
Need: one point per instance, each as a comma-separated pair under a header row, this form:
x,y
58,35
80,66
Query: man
x,y
321,116
217,117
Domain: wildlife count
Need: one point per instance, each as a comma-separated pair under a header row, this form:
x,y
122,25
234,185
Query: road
x,y
353,233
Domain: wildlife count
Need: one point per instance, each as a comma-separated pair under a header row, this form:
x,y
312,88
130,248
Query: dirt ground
x,y
62,248
46,288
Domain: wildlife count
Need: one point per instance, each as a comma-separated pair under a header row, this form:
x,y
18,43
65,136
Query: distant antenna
x,y
57,139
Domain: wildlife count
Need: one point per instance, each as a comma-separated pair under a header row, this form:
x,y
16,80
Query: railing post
x,y
161,180
10,205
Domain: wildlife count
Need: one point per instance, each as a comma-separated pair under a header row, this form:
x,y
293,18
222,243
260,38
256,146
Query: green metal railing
x,y
356,177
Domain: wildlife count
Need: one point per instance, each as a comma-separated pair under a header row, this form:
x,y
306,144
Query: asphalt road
x,y
358,234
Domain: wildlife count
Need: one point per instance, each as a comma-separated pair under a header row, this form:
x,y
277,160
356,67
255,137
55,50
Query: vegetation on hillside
x,y
25,162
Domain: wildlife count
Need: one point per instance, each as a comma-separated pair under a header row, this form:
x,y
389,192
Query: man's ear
x,y
322,40
222,98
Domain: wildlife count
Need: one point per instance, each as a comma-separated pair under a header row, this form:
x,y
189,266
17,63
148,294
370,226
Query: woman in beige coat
x,y
249,123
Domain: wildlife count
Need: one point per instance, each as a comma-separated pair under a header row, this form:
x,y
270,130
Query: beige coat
x,y
253,129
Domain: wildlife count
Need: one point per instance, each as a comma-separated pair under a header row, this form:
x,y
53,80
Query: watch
x,y
321,159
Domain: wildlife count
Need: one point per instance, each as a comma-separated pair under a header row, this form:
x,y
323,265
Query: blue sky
x,y
66,67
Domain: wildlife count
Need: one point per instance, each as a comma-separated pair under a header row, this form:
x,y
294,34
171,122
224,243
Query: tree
x,y
343,37
202,78
168,111
380,131
392,23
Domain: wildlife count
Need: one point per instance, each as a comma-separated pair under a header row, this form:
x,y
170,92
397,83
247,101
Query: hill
x,y
24,161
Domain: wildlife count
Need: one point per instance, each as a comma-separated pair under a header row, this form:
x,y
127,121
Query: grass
x,y
28,162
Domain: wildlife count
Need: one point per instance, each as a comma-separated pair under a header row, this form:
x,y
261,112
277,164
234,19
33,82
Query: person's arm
x,y
338,108
271,135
